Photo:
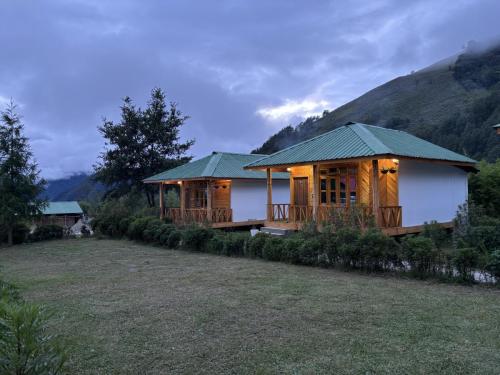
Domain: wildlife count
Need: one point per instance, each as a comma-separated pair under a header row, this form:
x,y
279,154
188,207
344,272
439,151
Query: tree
x,y
20,182
484,187
143,143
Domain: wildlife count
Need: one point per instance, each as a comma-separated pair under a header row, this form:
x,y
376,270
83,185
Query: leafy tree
x,y
20,182
143,143
485,187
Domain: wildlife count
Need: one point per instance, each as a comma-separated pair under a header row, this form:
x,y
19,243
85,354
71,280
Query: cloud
x,y
235,67
293,109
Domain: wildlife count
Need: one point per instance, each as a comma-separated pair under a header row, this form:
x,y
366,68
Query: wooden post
x,y
209,200
269,194
183,199
315,191
162,202
375,192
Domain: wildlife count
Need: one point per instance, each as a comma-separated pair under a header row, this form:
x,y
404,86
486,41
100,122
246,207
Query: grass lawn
x,y
128,308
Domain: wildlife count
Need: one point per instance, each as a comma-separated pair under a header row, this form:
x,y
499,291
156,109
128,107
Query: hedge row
x,y
21,233
347,248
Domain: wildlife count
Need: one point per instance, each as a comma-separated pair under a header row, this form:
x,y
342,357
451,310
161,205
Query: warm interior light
x,y
395,161
179,182
288,169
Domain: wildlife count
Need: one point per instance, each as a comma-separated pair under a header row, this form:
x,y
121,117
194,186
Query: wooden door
x,y
300,191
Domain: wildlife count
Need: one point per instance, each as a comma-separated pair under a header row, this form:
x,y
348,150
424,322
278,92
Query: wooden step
x,y
275,231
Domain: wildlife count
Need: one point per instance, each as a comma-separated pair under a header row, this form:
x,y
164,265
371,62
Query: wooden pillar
x,y
162,202
209,200
269,194
183,198
375,192
315,191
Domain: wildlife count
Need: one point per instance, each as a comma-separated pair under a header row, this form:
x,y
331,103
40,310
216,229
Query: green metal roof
x,y
217,165
496,126
63,208
355,140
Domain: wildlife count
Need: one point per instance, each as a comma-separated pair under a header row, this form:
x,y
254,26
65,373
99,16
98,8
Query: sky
x,y
241,70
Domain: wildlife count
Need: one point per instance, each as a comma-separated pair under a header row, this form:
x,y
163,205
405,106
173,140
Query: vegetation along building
x,y
366,171
216,189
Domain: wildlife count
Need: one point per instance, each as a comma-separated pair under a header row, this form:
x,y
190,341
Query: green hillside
x,y
452,103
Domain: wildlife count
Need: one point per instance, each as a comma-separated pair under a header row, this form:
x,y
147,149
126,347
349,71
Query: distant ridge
x,y
77,187
452,103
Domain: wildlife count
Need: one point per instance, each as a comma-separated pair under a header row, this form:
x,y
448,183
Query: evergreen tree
x,y
20,182
143,143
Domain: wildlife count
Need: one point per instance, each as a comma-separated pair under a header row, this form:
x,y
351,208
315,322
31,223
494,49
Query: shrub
x,y
347,246
46,232
174,239
309,251
216,245
124,224
378,251
436,233
195,237
26,346
256,244
273,249
165,230
9,292
466,260
235,243
421,255
493,264
138,226
151,233
291,253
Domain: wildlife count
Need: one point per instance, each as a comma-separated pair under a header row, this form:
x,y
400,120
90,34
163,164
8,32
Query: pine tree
x,y
144,143
20,182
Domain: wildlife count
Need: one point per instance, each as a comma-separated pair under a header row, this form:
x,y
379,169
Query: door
x,y
300,190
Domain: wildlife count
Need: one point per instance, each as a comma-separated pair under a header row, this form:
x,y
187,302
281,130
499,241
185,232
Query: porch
x,y
357,191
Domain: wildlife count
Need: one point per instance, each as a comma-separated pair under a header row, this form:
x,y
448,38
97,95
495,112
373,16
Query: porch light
x,y
395,161
288,169
179,182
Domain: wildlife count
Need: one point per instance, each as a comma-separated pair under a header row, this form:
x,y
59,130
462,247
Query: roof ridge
x,y
295,145
212,164
236,153
369,139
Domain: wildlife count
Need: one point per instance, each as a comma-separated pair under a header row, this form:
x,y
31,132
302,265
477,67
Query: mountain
x,y
452,103
74,188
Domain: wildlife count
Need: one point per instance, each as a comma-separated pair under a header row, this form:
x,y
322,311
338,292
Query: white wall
x,y
249,198
430,191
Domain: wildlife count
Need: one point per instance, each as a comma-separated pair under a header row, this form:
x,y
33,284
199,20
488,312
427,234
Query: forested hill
x,y
77,187
452,103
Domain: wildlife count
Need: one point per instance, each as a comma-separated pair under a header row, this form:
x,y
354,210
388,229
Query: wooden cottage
x,y
217,190
397,179
63,213
497,128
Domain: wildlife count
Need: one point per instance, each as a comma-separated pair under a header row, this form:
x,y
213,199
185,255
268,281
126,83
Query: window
x,y
338,186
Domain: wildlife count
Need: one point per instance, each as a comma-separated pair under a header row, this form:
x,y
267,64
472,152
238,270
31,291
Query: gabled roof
x,y
496,126
217,165
63,208
355,140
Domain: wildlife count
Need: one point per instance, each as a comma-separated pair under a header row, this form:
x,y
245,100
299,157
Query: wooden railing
x,y
390,216
199,215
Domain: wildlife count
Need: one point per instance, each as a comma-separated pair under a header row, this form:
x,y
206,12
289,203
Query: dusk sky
x,y
240,69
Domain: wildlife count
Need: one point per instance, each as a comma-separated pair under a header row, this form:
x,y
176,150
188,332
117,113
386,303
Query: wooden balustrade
x,y
390,216
357,215
199,215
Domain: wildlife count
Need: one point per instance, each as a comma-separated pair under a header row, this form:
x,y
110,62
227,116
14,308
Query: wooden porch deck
x,y
216,217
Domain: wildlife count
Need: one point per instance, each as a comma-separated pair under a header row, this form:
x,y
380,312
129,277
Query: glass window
x,y
333,197
323,197
323,184
333,185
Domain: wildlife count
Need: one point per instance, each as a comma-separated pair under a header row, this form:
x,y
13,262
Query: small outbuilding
x,y
497,128
63,213
399,180
217,190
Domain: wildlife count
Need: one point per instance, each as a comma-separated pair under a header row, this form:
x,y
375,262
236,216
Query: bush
x,y
195,237
124,224
378,251
291,253
151,233
235,243
347,246
9,292
164,233
273,249
256,244
466,260
26,346
421,255
46,232
216,245
493,264
174,239
137,227
436,233
19,233
309,251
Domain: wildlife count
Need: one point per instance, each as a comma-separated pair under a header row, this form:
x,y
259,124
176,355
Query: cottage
x,y
64,213
217,190
398,179
497,128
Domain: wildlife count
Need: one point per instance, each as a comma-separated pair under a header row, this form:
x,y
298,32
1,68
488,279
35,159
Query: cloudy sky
x,y
240,69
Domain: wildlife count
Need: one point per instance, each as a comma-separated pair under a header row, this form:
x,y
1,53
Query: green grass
x,y
128,308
